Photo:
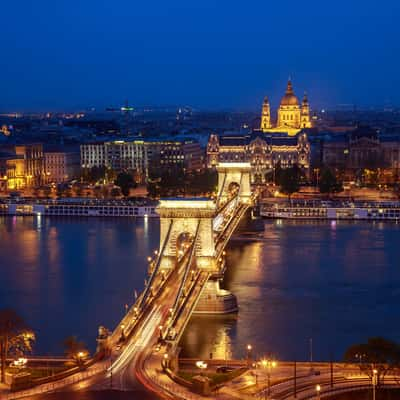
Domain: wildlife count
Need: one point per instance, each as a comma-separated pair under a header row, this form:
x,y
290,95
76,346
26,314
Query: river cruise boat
x,y
80,208
381,211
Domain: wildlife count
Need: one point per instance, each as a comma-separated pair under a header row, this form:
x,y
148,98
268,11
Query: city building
x,y
93,154
22,166
363,149
140,155
61,164
186,154
284,142
291,115
126,155
263,151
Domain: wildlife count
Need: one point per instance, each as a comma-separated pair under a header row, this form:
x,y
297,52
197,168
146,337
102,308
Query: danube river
x,y
337,283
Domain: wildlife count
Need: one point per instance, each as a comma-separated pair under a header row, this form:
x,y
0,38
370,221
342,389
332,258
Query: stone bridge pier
x,y
238,174
180,217
188,217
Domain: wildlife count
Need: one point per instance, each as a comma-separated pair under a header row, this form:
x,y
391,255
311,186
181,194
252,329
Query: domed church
x,y
291,115
284,143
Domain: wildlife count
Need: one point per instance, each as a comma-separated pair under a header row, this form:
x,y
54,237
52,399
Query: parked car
x,y
224,369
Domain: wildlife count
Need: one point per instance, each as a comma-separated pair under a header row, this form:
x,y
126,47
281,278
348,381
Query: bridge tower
x,y
187,217
232,174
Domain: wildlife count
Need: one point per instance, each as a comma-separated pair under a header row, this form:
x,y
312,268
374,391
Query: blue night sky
x,y
211,53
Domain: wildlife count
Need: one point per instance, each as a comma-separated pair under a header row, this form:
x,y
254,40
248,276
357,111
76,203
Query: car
x,y
224,369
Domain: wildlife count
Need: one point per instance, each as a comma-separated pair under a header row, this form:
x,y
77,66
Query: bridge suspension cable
x,y
187,269
157,266
221,191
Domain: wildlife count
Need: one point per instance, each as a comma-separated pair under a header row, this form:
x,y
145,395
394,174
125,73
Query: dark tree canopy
x,y
75,350
177,182
377,353
14,336
328,182
288,179
126,182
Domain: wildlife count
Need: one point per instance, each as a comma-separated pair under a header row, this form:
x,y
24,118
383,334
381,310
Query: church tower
x,y
305,113
265,115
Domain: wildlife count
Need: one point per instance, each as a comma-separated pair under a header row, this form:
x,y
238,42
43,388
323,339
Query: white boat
x,y
370,212
80,208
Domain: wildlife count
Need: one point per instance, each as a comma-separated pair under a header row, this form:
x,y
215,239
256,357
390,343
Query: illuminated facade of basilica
x,y
292,116
284,142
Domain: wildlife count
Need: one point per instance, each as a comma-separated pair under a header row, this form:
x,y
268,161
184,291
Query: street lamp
x,y
202,365
122,332
160,328
80,356
374,383
360,357
318,390
249,348
165,361
268,365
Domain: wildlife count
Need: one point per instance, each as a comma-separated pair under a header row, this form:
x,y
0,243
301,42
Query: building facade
x,y
185,154
291,115
282,142
363,149
61,166
22,167
141,155
263,151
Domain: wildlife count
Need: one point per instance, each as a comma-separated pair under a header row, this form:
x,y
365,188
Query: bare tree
x,y
15,337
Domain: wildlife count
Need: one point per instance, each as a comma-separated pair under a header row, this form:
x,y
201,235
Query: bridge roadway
x,y
136,336
135,361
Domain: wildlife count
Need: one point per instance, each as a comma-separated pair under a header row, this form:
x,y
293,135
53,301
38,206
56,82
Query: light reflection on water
x,y
337,283
67,276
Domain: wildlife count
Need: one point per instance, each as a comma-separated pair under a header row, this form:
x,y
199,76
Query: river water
x,y
337,283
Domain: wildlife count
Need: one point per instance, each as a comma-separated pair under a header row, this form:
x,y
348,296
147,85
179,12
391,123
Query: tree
x,y
377,354
328,182
76,351
15,337
78,190
115,192
289,180
97,192
94,174
125,182
47,191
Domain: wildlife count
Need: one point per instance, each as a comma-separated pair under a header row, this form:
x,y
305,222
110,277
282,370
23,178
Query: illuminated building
x,y
292,116
362,149
61,165
140,155
263,151
23,166
285,142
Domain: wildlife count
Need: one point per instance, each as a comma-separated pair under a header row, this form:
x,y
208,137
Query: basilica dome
x,y
289,99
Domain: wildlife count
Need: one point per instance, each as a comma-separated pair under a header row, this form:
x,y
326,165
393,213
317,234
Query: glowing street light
x,y
160,328
249,348
318,390
165,361
374,383
201,365
268,365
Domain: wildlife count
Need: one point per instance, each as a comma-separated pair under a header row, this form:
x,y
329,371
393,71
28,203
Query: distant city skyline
x,y
208,55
